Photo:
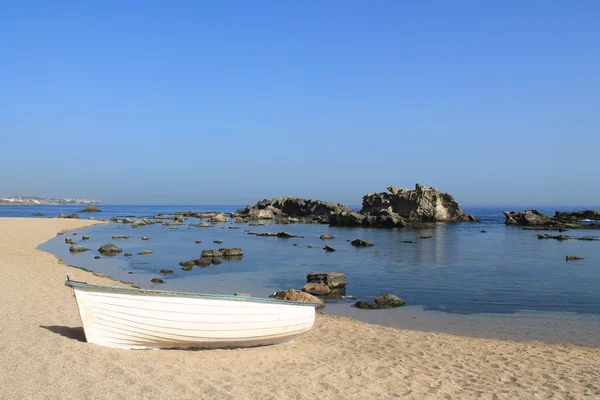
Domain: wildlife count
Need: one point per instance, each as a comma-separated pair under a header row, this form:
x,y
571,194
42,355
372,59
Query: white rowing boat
x,y
115,316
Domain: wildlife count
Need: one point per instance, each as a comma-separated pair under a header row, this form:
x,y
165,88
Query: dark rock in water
x,y
386,300
587,239
328,249
190,263
90,208
203,262
332,280
405,241
97,257
128,255
361,243
483,231
217,241
188,267
211,253
216,261
286,235
145,252
166,271
85,238
326,236
573,258
233,227
145,238
297,295
157,280
38,214
77,249
60,233
317,289
558,237
425,237
231,252
69,241
198,241
120,237
110,248
75,234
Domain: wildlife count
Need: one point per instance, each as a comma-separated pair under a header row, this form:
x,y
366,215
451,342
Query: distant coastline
x,y
44,201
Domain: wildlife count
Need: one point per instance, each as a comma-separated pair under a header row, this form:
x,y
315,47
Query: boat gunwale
x,y
168,293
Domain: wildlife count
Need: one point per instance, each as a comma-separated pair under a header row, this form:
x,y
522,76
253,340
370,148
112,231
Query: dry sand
x,y
43,353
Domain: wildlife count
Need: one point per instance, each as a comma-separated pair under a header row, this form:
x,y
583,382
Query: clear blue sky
x,y
496,102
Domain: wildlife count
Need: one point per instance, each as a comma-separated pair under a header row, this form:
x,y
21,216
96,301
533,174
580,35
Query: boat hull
x,y
138,319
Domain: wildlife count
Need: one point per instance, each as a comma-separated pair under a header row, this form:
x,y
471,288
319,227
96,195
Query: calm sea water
x,y
459,271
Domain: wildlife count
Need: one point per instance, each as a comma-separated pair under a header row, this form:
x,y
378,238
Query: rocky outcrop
x,y
398,208
306,210
533,219
420,204
91,208
527,218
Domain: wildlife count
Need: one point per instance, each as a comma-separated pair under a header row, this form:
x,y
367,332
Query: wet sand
x,y
43,352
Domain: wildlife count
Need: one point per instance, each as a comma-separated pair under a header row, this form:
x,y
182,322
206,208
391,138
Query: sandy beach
x,y
43,352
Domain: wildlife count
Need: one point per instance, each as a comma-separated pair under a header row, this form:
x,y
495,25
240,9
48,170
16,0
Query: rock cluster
x,y
386,300
397,208
534,219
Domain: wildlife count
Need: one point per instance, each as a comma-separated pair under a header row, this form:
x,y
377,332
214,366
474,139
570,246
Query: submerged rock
x,y
326,236
166,271
329,249
110,248
144,252
97,257
157,280
203,262
120,237
85,238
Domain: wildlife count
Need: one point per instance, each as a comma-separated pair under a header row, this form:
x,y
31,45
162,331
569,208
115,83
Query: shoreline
x,y
46,354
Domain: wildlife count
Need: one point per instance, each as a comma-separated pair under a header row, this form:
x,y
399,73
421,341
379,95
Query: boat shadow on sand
x,y
66,331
